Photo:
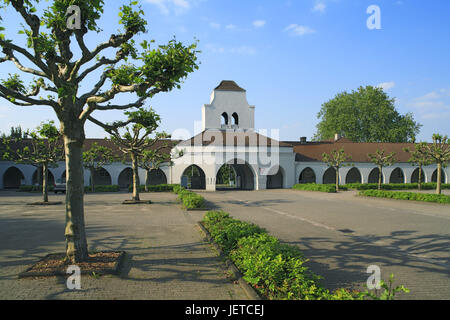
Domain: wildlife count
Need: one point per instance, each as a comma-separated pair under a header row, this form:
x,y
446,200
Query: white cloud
x,y
320,6
214,25
299,30
259,23
230,27
243,50
167,6
433,105
386,85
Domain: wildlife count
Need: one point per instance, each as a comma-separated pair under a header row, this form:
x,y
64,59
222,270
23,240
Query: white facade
x,y
259,164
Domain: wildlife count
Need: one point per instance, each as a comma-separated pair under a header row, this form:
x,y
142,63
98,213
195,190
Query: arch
x,y
225,119
102,177
275,178
434,176
245,176
353,176
397,176
12,178
196,178
235,118
157,177
37,175
373,176
226,178
307,176
415,176
329,177
126,178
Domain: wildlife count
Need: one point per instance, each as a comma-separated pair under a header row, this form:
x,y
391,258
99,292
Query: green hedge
x,y
102,188
155,188
34,188
330,188
438,198
189,199
395,186
275,270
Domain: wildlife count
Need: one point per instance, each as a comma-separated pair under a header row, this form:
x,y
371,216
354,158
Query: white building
x,y
257,162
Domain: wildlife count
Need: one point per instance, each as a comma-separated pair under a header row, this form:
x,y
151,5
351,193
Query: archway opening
x,y
38,179
307,176
235,118
434,176
353,176
397,176
329,177
224,119
195,177
275,178
226,178
415,176
157,177
126,178
13,178
373,176
243,174
102,177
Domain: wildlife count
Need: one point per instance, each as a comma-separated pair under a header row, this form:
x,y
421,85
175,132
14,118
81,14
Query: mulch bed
x,y
104,262
50,203
137,202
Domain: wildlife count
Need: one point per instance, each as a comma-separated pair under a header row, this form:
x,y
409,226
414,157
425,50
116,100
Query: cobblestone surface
x,y
166,256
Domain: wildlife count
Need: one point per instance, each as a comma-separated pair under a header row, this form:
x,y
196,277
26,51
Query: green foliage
x,y
394,186
102,188
155,188
189,199
388,290
14,83
365,115
177,189
330,188
274,269
438,198
97,156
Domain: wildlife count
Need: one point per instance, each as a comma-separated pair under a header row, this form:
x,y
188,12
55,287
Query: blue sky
x,y
291,56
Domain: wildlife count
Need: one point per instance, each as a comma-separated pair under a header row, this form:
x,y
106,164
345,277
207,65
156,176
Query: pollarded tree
x,y
336,159
438,152
381,159
96,158
133,138
43,150
419,158
153,159
58,54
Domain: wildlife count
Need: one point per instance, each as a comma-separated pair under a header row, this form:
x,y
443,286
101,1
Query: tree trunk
x,y
91,179
380,176
337,178
136,183
147,179
439,178
45,182
76,244
419,185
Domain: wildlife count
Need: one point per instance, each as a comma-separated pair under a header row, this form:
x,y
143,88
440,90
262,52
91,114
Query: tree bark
x,y
136,183
337,178
76,244
147,179
439,178
45,182
380,176
419,186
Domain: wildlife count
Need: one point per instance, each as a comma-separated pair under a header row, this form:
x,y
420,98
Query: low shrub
x,y
102,188
154,188
189,199
330,188
438,198
274,269
395,186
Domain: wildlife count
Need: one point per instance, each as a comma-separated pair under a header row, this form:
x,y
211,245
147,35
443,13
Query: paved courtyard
x,y
167,258
343,234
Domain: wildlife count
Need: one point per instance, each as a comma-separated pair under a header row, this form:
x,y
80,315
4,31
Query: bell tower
x,y
228,109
